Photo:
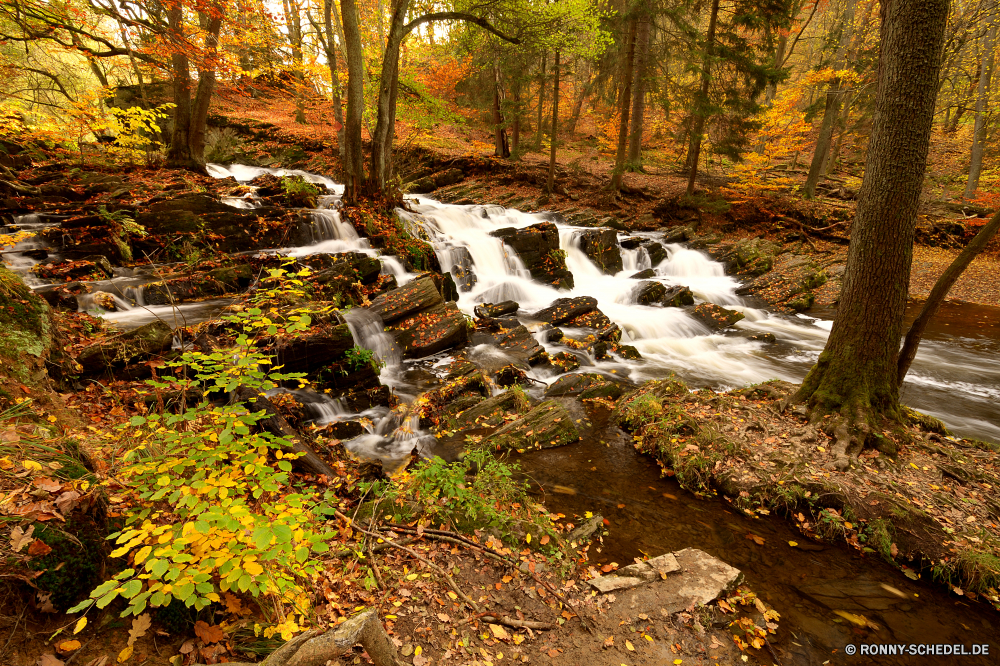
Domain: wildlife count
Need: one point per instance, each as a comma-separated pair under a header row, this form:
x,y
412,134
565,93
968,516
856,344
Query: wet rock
x,y
102,264
67,271
415,296
564,362
676,297
490,310
594,319
648,293
564,309
346,429
217,282
538,247
491,412
655,251
434,181
677,235
715,317
519,343
585,385
611,333
586,530
462,268
601,245
359,400
758,336
749,257
325,344
343,267
510,375
128,347
627,352
698,579
644,274
553,335
430,331
546,426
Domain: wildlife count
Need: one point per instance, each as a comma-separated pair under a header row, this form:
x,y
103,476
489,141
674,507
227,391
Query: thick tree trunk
x,y
834,97
515,139
982,99
179,153
385,127
500,146
295,40
856,374
331,59
940,292
702,105
638,93
206,86
553,134
541,104
624,106
354,170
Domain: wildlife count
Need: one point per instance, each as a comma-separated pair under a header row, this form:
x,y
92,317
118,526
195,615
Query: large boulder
x,y
564,309
601,245
430,331
323,345
491,310
538,247
413,297
715,317
519,343
128,347
647,293
436,180
677,296
585,385
546,426
492,411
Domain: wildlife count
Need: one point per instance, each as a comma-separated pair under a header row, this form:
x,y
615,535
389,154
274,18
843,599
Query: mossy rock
x,y
25,328
716,317
491,412
546,426
803,302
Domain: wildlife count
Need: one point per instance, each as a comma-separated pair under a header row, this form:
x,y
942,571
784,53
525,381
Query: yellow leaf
x,y
32,465
588,515
793,544
124,655
648,637
65,647
417,650
452,596
253,568
412,577
678,661
81,623
629,646
499,632
527,537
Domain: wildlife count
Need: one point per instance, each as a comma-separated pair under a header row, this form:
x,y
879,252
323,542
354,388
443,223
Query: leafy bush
x,y
359,357
210,503
222,144
300,192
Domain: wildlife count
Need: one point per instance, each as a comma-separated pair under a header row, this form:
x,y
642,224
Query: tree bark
x,y
294,23
354,170
179,153
206,85
385,126
553,133
574,116
982,100
639,93
515,139
834,97
779,57
940,292
500,146
541,104
331,59
856,374
624,106
702,105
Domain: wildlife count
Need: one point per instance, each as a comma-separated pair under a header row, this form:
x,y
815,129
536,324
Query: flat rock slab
x,y
672,582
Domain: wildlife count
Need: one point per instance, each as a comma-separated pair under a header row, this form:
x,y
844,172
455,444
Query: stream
x,y
955,377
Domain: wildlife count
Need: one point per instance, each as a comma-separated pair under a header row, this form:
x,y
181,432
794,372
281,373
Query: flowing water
x,y
956,377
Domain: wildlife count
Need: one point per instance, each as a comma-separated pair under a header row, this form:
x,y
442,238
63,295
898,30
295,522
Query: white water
x,y
965,377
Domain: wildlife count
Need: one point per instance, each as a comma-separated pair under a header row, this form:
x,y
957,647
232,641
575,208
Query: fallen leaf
x,y
629,646
47,484
444,617
45,602
187,647
793,544
124,655
141,624
39,548
81,623
759,540
102,660
49,660
20,538
726,608
609,641
67,501
499,632
544,540
65,647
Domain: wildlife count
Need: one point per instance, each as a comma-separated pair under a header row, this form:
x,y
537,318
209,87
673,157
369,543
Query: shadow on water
x,y
649,515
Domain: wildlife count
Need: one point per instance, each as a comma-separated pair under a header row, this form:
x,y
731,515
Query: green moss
x,y
25,326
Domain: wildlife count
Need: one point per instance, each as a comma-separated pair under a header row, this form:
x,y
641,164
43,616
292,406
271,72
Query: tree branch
x,y
458,16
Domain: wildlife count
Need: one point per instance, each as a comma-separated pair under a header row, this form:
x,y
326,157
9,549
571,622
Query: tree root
x,y
316,648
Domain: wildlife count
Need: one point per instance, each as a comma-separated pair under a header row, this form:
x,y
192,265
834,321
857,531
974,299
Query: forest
x,y
603,332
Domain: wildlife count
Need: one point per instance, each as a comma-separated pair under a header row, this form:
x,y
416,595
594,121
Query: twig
x,y
519,624
378,548
414,554
373,565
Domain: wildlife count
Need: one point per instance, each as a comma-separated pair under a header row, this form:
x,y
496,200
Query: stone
x,y
462,268
585,385
430,331
655,251
538,247
677,296
564,361
715,317
647,293
644,274
413,297
601,246
124,348
491,412
436,180
546,426
564,309
322,346
672,582
491,310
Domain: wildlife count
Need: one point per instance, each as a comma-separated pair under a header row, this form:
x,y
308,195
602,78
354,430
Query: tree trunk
x,y
515,140
834,96
206,85
779,56
638,94
624,106
385,127
179,153
574,116
982,99
856,374
555,125
295,40
354,170
702,105
331,58
940,292
845,115
541,105
500,146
